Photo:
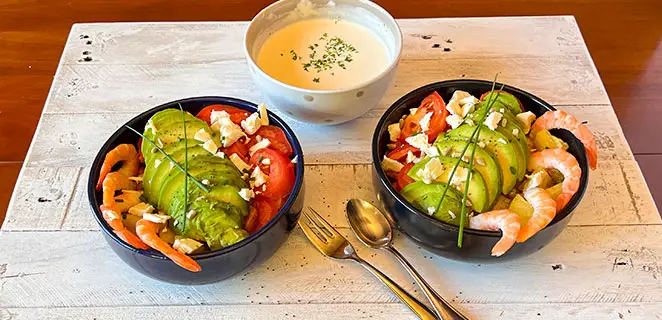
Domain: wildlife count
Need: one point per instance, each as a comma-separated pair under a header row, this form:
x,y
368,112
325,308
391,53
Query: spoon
x,y
373,229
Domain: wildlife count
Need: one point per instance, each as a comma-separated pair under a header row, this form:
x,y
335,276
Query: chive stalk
x,y
186,175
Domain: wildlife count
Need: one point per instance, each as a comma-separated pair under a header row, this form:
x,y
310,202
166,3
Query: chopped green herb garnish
x,y
294,55
316,80
260,159
185,169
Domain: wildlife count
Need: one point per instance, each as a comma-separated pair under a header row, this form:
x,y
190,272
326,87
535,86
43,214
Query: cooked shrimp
x,y
544,210
148,233
113,182
125,153
564,162
114,219
506,221
563,120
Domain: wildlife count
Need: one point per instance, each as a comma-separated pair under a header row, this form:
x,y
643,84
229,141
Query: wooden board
x,y
608,256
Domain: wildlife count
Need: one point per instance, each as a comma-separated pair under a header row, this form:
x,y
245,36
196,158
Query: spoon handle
x,y
442,308
416,306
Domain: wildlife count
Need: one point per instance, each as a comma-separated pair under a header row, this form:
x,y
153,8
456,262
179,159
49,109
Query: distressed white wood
x,y
602,265
328,192
609,254
585,311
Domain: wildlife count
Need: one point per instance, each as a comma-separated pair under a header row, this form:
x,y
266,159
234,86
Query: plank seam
x,y
71,198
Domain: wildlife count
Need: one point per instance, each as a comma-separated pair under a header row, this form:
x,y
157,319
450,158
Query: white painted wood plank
x,y
616,195
599,265
153,43
134,88
584,311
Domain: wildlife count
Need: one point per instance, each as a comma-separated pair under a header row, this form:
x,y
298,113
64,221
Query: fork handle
x,y
416,306
442,308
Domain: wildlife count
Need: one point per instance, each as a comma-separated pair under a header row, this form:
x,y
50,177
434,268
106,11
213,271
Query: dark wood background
x,y
623,36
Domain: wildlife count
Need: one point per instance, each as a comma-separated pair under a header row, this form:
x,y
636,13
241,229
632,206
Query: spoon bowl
x,y
369,224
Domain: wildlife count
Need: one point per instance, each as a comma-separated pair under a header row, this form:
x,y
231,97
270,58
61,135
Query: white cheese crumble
x,y
266,161
413,110
492,120
230,134
450,213
389,164
526,118
220,154
246,194
240,164
191,214
141,208
202,135
425,122
260,145
295,159
460,176
157,162
469,122
515,132
112,214
432,170
480,161
394,131
156,218
431,210
205,182
259,178
481,144
264,116
410,157
186,245
454,120
502,141
252,123
419,141
210,146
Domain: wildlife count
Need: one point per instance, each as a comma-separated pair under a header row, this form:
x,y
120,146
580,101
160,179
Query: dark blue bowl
x,y
216,265
440,237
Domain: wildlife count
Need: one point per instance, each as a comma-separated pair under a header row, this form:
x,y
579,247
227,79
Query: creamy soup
x,y
323,54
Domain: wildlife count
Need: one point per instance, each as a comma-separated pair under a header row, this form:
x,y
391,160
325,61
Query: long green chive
x,y
185,169
169,158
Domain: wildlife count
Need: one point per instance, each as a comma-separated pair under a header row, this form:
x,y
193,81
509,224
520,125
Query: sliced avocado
x,y
506,99
505,152
521,158
166,169
424,196
484,162
151,168
478,194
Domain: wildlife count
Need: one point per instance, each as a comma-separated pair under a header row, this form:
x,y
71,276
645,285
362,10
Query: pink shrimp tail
x,y
563,200
592,154
502,246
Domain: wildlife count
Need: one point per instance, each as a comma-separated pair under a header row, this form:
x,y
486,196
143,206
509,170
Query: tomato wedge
x,y
432,103
236,114
240,148
401,150
402,179
262,211
280,171
278,140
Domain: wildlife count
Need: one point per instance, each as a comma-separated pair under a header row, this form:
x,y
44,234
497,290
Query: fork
x,y
332,244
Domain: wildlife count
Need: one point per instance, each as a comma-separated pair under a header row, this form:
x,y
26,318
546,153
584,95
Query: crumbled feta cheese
x,y
502,110
526,118
460,176
215,126
156,218
454,107
259,178
432,210
191,214
413,110
260,145
258,138
394,131
432,170
458,101
480,161
246,194
467,108
205,182
450,213
469,122
266,161
230,133
469,100
264,116
410,157
157,162
171,164
389,164
515,132
492,120
240,164
202,135
502,141
419,141
186,245
141,208
425,122
481,144
252,123
112,214
432,151
295,159
210,146
216,116
220,154
454,120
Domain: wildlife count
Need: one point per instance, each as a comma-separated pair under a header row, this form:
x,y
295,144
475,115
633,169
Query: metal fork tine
x,y
325,225
312,235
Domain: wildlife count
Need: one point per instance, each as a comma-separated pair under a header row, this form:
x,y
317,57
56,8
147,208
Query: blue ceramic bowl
x,y
216,265
440,237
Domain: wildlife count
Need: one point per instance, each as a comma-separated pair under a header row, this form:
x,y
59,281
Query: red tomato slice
x,y
140,154
401,150
239,148
277,139
251,221
236,114
432,103
281,173
263,210
402,180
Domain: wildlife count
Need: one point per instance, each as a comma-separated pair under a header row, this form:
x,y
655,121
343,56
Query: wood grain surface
x,y
623,37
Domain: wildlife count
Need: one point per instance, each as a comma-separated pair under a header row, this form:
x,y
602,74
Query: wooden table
x,y
54,263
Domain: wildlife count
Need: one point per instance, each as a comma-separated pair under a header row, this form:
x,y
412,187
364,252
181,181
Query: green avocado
x,y
505,152
478,194
484,162
424,196
506,99
218,215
